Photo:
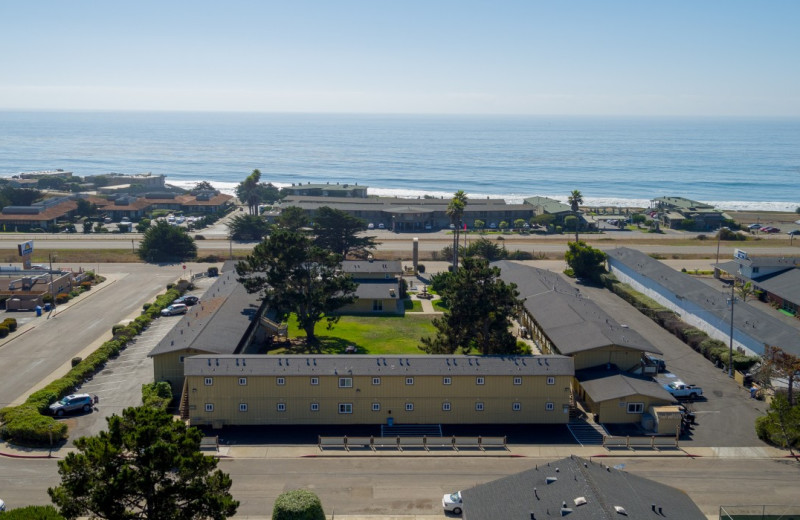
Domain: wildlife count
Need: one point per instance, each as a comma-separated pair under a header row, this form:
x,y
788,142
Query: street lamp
x,y
731,301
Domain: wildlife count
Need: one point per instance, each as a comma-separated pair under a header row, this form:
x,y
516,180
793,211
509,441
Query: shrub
x,y
62,298
299,504
146,306
86,285
421,268
519,255
33,513
47,298
199,237
3,331
76,361
170,286
157,395
11,323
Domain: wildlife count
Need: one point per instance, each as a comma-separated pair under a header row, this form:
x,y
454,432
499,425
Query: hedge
x,y
298,504
32,513
157,395
712,349
25,424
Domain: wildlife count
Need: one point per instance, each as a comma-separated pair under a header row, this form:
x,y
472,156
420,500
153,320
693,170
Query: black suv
x,y
187,300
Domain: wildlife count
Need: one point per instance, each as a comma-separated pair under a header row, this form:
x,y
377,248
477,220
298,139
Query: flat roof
x,y
366,365
573,322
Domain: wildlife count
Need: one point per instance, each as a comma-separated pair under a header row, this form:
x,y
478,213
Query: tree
x,y
143,225
479,224
298,504
743,289
575,200
479,313
87,226
519,224
163,243
292,219
203,186
455,210
248,227
86,208
781,425
784,364
545,219
295,276
639,219
18,196
336,231
247,191
585,261
485,249
147,466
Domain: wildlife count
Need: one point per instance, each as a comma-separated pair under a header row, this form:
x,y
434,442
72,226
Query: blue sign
x,y
25,248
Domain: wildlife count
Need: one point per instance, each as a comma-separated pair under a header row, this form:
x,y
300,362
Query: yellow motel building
x,y
221,390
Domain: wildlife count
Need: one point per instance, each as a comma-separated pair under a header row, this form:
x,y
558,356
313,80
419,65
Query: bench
x,y
410,442
331,442
357,442
493,442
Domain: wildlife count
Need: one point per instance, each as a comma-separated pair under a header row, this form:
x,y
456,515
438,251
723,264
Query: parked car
x,y
2,505
770,229
793,233
658,362
452,503
73,403
175,308
681,389
381,226
187,300
493,226
754,226
370,226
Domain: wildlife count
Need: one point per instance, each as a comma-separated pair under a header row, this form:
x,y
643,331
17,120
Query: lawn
x,y
381,335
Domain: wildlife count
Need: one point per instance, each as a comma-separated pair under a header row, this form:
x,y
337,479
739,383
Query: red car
x,y
770,229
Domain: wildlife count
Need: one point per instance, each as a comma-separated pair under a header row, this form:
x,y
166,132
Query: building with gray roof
x,y
579,489
702,306
777,277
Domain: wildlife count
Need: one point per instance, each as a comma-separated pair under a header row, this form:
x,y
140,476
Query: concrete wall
x,y
427,394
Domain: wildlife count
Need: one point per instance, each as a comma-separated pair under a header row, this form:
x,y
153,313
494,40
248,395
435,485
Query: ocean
x,y
731,163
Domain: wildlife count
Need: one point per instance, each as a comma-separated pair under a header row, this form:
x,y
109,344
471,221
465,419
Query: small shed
x,y
666,419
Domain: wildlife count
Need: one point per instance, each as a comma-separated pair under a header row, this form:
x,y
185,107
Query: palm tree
x,y
575,199
455,210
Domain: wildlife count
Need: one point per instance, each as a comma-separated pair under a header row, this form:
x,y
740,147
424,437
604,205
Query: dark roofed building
x,y
577,489
778,277
378,290
702,306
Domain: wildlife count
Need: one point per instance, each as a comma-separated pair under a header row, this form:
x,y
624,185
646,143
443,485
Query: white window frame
x,y
479,406
345,382
549,407
409,407
635,407
479,380
551,380
345,407
376,407
517,380
516,407
314,407
314,381
447,380
280,381
409,380
376,381
209,407
281,407
242,407
446,407
209,381
242,381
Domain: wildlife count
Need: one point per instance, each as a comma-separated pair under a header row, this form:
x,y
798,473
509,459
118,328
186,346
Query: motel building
x,y
221,390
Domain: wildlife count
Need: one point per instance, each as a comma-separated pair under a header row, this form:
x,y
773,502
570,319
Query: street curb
x,y
17,456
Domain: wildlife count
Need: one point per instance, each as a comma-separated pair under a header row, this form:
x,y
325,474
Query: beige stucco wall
x,y
623,358
364,305
262,395
169,367
616,410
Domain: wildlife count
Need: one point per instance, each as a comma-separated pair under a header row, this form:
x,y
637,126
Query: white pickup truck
x,y
681,389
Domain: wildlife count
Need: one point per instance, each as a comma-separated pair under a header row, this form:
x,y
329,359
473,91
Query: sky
x,y
572,57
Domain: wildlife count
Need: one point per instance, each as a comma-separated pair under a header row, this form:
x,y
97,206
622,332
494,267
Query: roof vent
x,y
550,480
580,501
620,510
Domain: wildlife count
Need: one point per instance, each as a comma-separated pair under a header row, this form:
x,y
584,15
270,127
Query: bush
x,y
3,331
62,298
519,255
299,504
420,268
11,323
33,513
47,298
76,361
157,395
146,306
86,285
199,237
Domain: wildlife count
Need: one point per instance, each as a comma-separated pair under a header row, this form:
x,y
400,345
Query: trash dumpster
x,y
38,310
47,307
390,421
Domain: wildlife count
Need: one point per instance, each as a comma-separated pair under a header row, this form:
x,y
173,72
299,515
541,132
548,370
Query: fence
x,y
401,443
762,512
651,441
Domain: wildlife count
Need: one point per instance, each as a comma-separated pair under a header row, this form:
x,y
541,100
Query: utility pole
x,y
731,301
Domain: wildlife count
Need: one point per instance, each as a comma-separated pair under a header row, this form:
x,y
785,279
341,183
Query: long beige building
x,y
224,390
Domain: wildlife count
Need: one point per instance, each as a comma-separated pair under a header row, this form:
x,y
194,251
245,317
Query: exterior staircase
x,y
587,432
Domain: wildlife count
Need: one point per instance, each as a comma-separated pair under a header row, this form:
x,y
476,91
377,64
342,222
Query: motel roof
x,y
602,384
366,365
569,319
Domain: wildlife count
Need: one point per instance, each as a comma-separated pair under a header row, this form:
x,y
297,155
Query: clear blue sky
x,y
692,58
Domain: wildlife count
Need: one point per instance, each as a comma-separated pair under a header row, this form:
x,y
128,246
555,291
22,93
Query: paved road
x,y
414,485
31,356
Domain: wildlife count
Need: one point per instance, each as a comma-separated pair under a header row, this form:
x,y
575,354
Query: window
x,y
478,407
446,381
345,382
242,381
517,380
409,380
551,380
209,407
409,407
478,380
377,305
242,407
376,380
446,407
755,270
314,407
376,407
314,380
635,407
209,381
281,407
181,358
516,407
345,407
549,407
280,381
